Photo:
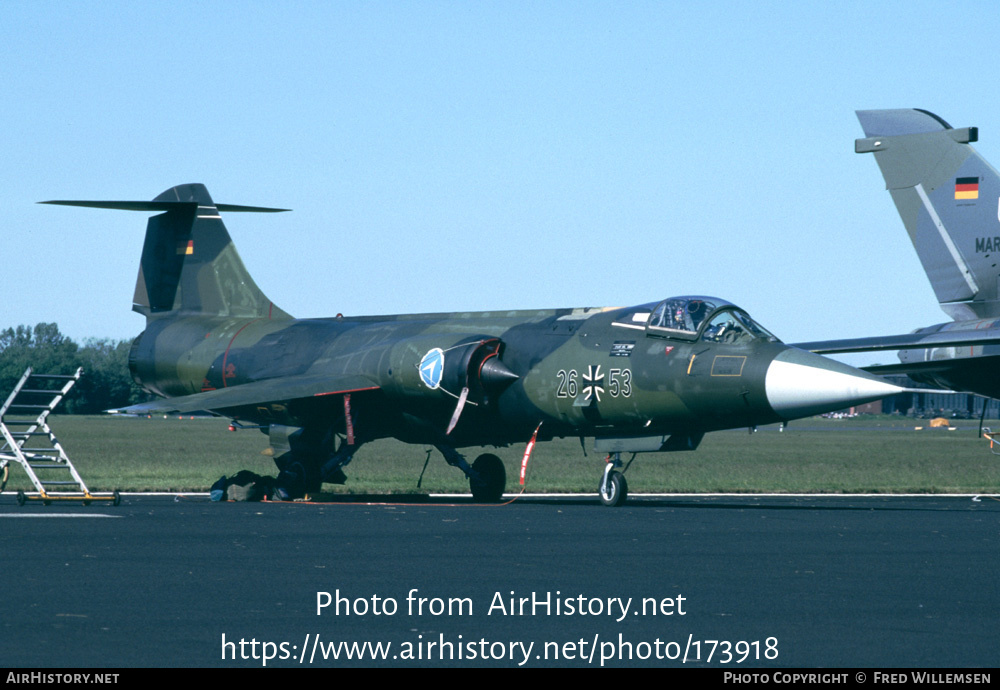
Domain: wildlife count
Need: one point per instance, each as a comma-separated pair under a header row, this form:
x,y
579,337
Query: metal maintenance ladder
x,y
28,440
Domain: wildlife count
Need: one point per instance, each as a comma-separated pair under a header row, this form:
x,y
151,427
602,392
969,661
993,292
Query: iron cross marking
x,y
593,382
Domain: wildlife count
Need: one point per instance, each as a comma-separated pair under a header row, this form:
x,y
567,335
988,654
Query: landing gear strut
x,y
306,459
613,489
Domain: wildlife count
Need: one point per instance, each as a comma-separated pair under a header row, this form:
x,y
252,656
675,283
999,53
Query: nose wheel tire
x,y
615,490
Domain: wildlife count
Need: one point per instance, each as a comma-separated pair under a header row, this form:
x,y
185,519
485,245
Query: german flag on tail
x,y
966,187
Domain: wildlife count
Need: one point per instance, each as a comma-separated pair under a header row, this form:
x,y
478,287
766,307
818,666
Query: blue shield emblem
x,y
431,368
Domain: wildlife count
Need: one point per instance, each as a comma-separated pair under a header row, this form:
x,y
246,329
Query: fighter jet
x,y
948,197
654,377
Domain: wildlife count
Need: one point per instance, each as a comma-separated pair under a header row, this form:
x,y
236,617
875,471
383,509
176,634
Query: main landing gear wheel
x,y
615,490
494,478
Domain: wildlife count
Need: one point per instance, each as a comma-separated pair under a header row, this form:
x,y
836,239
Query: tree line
x,y
106,382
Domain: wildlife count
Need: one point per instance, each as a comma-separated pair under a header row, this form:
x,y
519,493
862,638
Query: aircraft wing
x,y
909,341
938,366
259,393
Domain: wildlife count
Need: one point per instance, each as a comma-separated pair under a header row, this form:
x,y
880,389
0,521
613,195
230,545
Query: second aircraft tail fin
x,y
948,197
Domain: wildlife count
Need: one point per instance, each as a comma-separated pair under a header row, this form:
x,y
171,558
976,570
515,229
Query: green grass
x,y
867,454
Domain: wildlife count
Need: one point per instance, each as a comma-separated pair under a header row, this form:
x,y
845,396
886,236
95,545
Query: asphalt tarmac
x,y
726,582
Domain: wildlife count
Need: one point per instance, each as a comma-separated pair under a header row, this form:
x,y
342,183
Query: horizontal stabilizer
x,y
189,264
259,393
161,206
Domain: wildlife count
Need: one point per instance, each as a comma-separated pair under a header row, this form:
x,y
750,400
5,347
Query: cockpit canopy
x,y
683,314
694,317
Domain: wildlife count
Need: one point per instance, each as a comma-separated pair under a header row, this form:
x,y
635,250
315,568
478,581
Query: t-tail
x,y
189,263
949,200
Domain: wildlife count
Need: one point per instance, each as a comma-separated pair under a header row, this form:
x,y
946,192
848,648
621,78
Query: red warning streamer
x,y
527,453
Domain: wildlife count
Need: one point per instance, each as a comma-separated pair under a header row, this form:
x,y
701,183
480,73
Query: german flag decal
x,y
966,187
187,248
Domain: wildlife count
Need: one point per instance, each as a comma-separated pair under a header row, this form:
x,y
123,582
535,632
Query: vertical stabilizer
x,y
949,200
189,263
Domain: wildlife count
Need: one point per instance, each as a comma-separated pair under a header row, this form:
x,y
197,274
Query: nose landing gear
x,y
613,489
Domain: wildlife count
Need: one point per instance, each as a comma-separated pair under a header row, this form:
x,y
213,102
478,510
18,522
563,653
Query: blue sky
x,y
473,155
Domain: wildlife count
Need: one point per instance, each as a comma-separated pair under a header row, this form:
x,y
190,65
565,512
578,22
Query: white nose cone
x,y
803,384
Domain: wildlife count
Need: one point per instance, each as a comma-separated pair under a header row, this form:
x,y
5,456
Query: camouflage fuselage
x,y
576,372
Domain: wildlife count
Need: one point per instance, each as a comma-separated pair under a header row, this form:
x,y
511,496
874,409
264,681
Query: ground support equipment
x,y
28,440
